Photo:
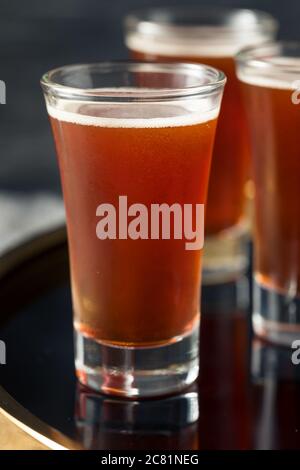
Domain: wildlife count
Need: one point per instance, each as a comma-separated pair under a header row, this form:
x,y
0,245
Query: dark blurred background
x,y
37,36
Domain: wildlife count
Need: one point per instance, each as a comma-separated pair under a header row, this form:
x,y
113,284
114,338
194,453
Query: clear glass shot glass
x,y
134,144
270,77
213,36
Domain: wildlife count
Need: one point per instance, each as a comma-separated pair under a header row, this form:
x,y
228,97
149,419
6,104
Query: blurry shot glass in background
x,y
270,76
144,131
212,36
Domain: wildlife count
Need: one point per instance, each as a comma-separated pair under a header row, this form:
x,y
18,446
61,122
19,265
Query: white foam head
x,y
172,46
276,72
134,115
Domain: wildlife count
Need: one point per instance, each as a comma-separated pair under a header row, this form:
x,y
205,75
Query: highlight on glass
x,y
270,77
134,144
212,36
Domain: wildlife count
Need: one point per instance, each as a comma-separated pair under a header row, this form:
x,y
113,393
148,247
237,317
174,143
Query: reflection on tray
x,y
227,298
110,423
269,361
275,382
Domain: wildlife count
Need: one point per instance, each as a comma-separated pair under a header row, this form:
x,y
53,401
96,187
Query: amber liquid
x,y
132,292
230,168
275,124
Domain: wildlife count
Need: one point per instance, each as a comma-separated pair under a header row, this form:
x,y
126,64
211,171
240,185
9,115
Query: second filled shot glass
x,y
212,36
270,77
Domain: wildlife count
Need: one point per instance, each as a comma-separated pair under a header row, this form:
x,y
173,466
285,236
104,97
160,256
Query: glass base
x,y
226,255
137,371
276,317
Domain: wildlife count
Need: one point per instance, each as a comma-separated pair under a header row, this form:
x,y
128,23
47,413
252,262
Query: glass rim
x,y
254,56
140,21
126,94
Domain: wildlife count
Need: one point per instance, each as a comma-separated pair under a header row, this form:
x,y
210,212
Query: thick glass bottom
x,y
276,316
226,255
137,371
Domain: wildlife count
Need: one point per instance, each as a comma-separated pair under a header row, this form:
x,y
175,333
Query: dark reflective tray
x,y
248,394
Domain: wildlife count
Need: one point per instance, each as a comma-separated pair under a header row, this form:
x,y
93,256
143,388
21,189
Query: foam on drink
x,y
150,115
191,47
284,80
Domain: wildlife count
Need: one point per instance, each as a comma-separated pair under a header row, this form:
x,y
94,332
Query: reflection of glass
x,y
143,132
211,36
225,421
110,424
270,362
228,298
268,74
276,388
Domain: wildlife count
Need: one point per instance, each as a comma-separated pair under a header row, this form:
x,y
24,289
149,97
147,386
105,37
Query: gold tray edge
x,y
33,426
9,407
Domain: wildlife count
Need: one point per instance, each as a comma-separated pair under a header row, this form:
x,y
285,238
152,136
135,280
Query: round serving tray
x,y
247,395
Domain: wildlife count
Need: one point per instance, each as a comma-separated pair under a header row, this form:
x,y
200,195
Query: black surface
x,y
247,395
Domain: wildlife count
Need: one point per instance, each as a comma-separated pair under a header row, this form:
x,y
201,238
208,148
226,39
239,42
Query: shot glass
x,y
134,144
213,36
270,77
